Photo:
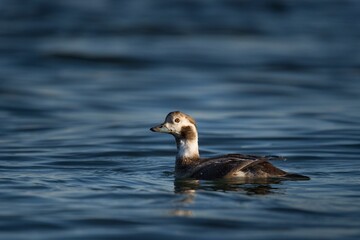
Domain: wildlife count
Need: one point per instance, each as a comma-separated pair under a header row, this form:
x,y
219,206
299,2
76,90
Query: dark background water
x,y
81,82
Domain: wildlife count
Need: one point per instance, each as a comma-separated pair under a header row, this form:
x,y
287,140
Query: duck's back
x,y
238,165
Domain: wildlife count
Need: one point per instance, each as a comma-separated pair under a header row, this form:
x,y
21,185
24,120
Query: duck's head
x,y
179,125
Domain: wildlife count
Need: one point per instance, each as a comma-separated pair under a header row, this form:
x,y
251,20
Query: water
x,y
82,82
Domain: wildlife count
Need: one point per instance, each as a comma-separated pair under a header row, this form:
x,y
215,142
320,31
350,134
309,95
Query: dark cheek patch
x,y
188,133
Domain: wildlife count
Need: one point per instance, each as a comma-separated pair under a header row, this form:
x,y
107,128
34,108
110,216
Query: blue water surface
x,y
81,83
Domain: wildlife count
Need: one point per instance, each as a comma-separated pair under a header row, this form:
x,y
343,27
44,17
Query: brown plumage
x,y
189,164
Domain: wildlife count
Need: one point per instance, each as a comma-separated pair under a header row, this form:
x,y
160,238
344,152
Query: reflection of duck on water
x,y
190,186
190,165
187,189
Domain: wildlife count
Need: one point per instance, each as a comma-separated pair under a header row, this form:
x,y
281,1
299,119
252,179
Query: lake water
x,y
81,83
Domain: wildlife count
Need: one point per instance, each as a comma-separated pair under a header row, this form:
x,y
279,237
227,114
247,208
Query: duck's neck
x,y
187,147
187,150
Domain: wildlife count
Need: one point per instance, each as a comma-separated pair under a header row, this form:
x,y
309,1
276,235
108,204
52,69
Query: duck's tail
x,y
295,176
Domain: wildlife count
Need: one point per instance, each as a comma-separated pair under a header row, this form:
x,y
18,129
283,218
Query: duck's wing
x,y
239,165
221,166
264,169
217,167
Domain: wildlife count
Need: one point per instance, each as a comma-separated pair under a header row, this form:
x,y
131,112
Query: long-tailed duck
x,y
190,165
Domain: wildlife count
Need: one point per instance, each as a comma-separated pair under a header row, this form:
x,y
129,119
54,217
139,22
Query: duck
x,y
189,164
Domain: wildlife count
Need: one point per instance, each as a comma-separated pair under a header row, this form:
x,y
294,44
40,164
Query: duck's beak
x,y
160,128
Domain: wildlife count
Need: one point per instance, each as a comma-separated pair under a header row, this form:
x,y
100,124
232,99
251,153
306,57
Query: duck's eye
x,y
177,120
